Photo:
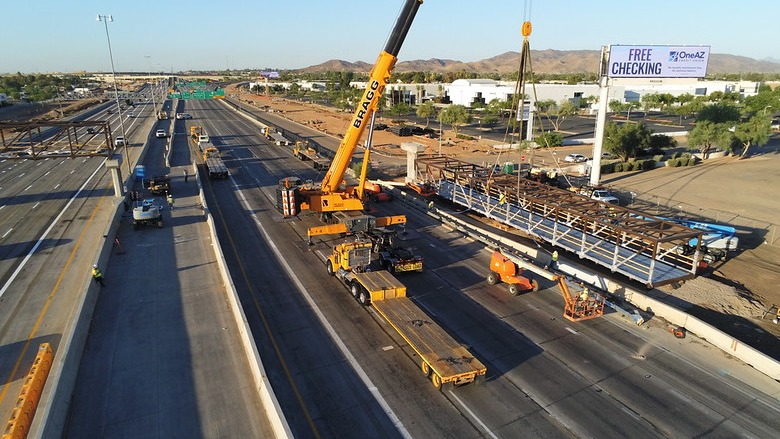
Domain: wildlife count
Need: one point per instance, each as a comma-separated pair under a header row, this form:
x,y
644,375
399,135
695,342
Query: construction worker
x,y
186,175
97,275
502,198
430,205
584,294
170,201
554,260
777,316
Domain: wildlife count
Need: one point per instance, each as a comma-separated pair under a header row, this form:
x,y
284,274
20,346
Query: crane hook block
x,y
526,29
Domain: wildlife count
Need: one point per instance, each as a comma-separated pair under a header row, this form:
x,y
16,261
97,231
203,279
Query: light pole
x,y
628,116
105,19
151,85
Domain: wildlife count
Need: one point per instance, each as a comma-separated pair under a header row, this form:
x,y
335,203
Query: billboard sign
x,y
658,61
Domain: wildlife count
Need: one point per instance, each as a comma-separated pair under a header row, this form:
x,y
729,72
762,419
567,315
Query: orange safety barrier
x,y
22,416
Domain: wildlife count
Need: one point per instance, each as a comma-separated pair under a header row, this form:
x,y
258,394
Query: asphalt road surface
x,y
341,371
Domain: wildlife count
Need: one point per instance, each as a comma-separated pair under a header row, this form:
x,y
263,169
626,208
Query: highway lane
x,y
49,212
598,379
163,357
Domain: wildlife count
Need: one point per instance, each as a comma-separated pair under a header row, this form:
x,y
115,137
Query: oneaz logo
x,y
676,56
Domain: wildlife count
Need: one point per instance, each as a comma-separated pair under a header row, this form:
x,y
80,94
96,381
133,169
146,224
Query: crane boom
x,y
378,78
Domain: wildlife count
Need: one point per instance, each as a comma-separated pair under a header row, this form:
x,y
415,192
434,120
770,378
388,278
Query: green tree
x,y
625,140
549,139
755,131
557,114
426,110
707,134
400,109
455,116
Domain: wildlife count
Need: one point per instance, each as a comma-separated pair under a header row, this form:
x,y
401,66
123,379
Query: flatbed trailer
x,y
216,168
442,358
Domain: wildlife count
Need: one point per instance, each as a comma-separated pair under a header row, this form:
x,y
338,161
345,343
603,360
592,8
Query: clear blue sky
x,y
58,35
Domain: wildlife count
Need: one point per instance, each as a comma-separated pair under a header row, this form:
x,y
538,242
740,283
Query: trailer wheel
x,y
436,380
426,368
514,290
708,258
364,298
534,286
354,289
492,278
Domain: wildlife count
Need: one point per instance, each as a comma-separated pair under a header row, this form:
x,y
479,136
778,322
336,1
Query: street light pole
x,y
151,84
628,116
105,19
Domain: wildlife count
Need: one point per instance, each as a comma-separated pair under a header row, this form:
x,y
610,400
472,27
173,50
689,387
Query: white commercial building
x,y
467,91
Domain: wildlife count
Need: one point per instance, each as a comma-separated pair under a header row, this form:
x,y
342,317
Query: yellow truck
x,y
442,358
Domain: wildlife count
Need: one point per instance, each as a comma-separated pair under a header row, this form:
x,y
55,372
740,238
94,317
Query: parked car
x,y
181,116
608,155
575,158
605,196
161,133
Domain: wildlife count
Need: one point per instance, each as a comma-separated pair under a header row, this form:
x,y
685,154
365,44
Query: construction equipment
x,y
353,224
423,189
215,167
584,306
159,185
198,136
302,151
162,115
442,358
503,269
147,213
393,256
375,192
333,194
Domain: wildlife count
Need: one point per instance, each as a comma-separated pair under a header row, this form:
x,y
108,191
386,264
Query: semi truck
x,y
303,152
442,358
215,167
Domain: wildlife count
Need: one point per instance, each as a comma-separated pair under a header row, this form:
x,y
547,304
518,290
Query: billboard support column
x,y
601,119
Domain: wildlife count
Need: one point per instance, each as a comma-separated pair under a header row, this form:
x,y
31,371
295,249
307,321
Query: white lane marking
x,y
47,173
387,348
36,205
22,174
6,233
46,232
56,186
325,323
571,330
1,207
27,188
473,416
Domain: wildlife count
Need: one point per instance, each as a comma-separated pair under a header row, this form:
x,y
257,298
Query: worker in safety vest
x,y
584,294
170,201
502,198
554,261
97,275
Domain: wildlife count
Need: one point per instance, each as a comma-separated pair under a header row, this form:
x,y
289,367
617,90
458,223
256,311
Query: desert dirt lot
x,y
734,294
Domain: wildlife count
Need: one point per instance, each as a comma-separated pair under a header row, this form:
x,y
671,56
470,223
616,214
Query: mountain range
x,y
543,61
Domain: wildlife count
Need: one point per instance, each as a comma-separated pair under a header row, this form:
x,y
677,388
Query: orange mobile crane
x,y
333,194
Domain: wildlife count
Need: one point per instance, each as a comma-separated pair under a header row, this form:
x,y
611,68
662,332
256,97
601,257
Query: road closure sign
x,y
658,61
